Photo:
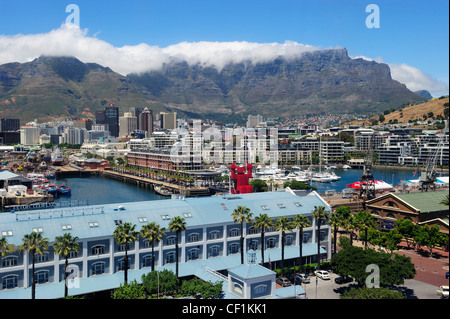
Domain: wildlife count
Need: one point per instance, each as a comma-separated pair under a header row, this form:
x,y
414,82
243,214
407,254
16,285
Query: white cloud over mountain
x,y
71,41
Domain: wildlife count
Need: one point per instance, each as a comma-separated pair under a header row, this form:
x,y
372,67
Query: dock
x,y
191,191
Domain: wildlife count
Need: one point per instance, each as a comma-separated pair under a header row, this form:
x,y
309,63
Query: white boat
x,y
346,166
57,157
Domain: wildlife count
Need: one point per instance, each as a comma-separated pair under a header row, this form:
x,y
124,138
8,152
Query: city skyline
x,y
412,38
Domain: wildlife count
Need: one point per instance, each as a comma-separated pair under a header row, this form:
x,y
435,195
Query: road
x,y
328,289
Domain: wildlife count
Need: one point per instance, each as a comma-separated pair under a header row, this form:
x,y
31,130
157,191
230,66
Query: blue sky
x,y
412,33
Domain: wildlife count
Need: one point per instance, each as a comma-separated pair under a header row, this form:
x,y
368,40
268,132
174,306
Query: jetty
x,y
142,181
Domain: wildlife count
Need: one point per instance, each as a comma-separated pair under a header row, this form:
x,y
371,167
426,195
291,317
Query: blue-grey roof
x,y
213,210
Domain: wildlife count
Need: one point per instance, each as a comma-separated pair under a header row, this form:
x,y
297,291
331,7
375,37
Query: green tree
x,y
391,239
284,224
298,185
320,214
242,215
155,234
33,244
125,234
5,248
372,293
132,290
177,225
301,222
164,281
408,230
263,222
259,186
428,236
198,287
63,246
364,222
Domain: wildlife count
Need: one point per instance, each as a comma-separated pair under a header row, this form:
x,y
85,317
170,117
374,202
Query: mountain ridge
x,y
319,82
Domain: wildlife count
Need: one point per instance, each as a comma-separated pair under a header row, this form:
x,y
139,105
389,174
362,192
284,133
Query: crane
x,y
367,185
428,176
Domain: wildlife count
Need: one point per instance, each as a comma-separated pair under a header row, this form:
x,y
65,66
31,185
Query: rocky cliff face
x,y
319,82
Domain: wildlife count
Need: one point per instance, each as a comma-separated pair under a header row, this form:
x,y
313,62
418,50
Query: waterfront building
x,y
254,120
331,151
420,207
29,135
211,239
9,125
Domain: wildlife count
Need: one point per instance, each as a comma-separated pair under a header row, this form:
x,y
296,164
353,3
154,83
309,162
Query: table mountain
x,y
319,82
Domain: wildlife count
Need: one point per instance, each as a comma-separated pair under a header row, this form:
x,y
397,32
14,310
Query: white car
x,y
322,274
442,291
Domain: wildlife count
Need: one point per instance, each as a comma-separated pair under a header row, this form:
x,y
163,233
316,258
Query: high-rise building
x,y
146,121
127,124
110,116
135,111
83,123
254,120
168,120
9,125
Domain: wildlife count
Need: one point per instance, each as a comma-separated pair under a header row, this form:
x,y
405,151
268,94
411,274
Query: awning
x,y
379,185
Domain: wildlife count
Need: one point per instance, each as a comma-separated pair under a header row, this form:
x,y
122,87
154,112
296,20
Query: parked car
x,y
305,278
322,274
343,279
283,282
443,292
446,275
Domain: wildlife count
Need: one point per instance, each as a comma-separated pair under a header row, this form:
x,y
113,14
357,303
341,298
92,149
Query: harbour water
x,y
101,190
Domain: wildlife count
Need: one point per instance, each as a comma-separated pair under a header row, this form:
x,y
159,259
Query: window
x,y
41,258
41,276
165,217
214,234
187,215
118,222
260,289
142,219
9,261
93,224
271,243
281,205
265,207
38,230
214,251
121,265
66,227
170,258
6,233
193,237
234,232
171,240
10,282
123,247
233,248
98,268
298,204
98,250
252,230
193,254
289,240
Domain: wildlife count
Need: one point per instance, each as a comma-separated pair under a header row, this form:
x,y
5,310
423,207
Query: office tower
x,y
110,116
146,121
9,125
127,124
83,123
168,120
254,120
135,111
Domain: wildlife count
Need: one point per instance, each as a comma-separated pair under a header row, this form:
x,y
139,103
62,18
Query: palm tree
x,y
320,214
33,244
364,221
339,219
154,233
5,248
300,222
262,222
125,234
63,246
284,224
240,215
177,225
445,200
